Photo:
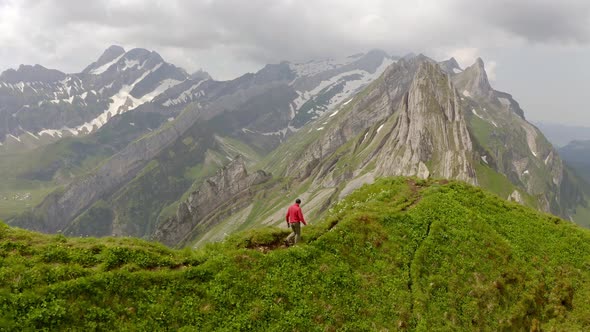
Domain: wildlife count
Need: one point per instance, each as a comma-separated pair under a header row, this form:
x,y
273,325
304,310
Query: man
x,y
294,219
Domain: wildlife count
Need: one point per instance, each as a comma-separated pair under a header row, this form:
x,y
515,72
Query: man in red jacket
x,y
294,219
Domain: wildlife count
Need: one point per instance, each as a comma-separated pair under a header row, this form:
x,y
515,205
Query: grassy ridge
x,y
402,254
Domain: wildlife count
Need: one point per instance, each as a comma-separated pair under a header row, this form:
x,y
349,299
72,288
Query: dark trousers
x,y
296,227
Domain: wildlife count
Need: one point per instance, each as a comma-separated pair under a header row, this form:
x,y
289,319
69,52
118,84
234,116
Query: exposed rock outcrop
x,y
430,130
230,183
516,197
375,107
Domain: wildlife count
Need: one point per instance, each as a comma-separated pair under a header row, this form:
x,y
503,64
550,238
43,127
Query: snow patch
x,y
347,102
457,70
331,115
14,137
531,137
130,64
350,87
132,123
123,101
485,159
466,93
34,136
185,95
365,137
170,119
320,128
50,132
106,66
317,66
477,114
548,157
526,171
379,129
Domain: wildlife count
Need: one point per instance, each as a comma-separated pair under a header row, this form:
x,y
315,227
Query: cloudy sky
x,y
537,50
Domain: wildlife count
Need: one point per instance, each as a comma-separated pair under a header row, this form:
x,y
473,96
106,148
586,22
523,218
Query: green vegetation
x,y
37,172
13,202
401,254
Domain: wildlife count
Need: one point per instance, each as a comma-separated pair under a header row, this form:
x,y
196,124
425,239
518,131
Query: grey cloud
x,y
539,21
71,33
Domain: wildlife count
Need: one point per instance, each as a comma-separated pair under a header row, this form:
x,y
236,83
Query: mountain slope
x,y
401,254
145,181
322,129
416,119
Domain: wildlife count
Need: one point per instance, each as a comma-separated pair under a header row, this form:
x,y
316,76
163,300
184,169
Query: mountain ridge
x,y
321,128
402,253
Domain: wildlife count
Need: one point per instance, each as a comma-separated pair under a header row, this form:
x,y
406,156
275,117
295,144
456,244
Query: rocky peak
x,y
200,75
474,80
450,66
142,54
28,73
430,135
110,54
274,72
372,60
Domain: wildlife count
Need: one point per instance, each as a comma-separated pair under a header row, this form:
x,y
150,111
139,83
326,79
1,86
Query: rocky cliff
x,y
430,136
231,184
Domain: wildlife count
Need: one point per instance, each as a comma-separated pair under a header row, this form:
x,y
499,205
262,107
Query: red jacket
x,y
294,214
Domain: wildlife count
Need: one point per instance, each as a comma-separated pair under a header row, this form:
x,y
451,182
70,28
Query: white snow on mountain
x,y
317,66
121,102
106,66
351,87
130,64
185,95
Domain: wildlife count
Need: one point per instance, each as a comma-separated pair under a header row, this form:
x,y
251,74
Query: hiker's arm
x,y
301,217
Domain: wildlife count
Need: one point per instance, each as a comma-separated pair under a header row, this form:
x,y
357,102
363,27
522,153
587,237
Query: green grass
x,y
401,254
14,204
493,181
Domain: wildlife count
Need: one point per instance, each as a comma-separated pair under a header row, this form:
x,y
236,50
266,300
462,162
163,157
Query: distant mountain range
x,y
560,135
154,152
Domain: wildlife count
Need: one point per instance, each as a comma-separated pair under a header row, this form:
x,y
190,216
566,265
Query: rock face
x,y
516,197
450,66
475,80
430,129
416,113
231,183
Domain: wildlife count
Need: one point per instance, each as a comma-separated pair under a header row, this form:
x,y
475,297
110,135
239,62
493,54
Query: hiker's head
x,y
298,201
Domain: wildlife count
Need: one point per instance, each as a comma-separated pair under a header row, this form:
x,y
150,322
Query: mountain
x,y
560,135
220,156
414,120
577,155
400,254
40,105
207,124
